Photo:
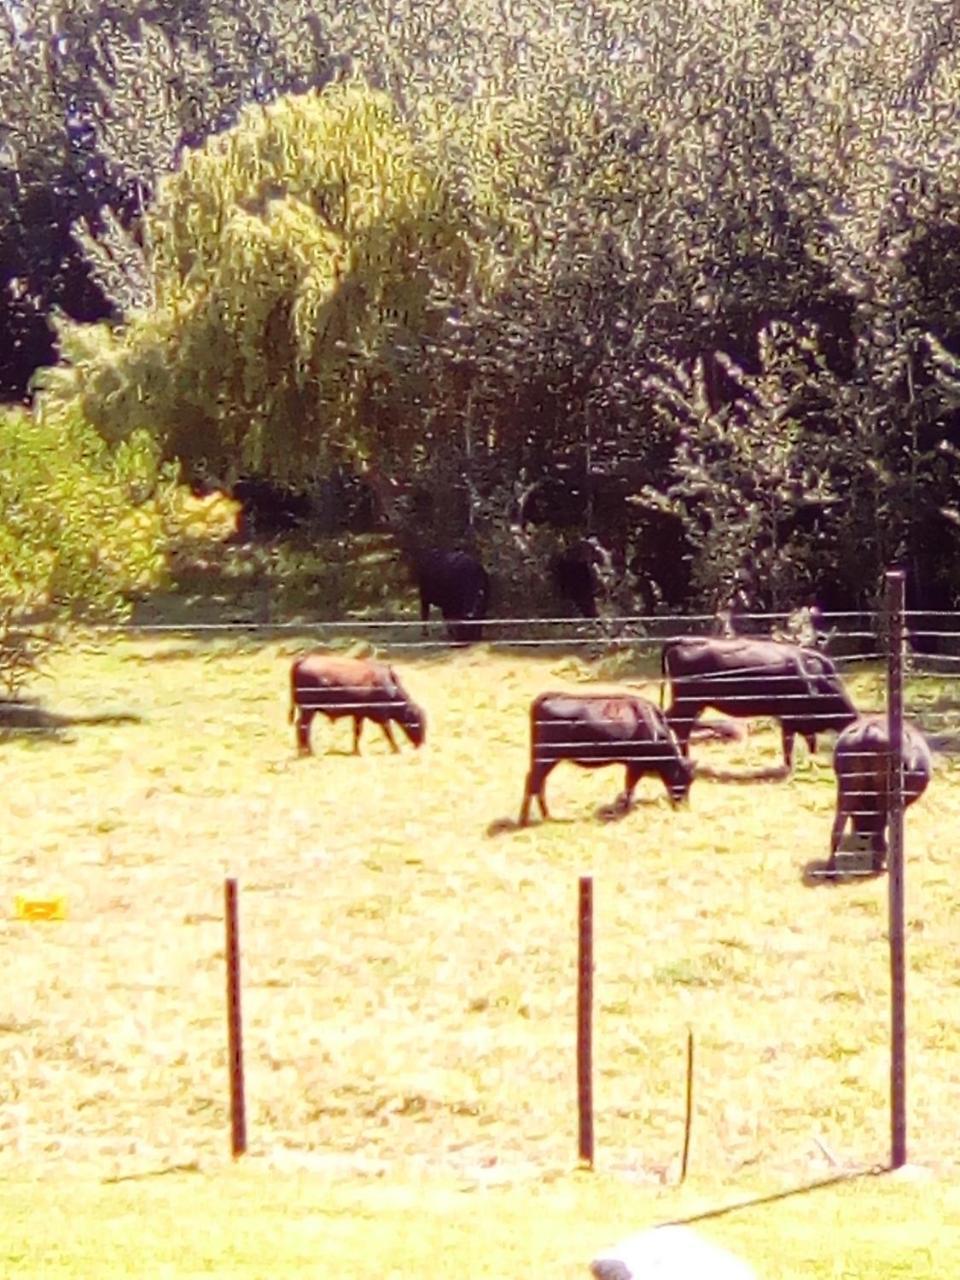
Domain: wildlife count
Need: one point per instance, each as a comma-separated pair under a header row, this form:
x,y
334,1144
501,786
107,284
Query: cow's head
x,y
678,776
414,723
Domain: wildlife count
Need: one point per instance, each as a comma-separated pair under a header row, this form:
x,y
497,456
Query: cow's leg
x,y
625,799
357,730
304,716
788,735
388,734
879,844
836,835
811,740
535,784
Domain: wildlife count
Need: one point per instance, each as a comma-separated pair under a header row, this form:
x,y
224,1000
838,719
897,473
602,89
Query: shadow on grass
x,y
613,812
769,773
946,742
501,826
854,1175
616,810
818,872
21,717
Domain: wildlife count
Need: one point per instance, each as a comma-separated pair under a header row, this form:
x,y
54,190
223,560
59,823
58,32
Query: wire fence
x,y
855,644
792,668
807,695
852,641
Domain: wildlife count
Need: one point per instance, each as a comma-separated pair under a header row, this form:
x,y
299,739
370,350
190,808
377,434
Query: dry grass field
x,y
409,958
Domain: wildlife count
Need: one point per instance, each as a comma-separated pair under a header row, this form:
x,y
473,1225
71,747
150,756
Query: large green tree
x,y
294,265
626,202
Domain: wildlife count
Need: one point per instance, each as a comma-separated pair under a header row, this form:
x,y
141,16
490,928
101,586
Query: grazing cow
x,y
799,687
458,584
338,686
860,761
269,509
580,573
597,729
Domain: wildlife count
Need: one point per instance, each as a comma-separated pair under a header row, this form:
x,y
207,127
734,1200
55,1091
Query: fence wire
x,y
853,641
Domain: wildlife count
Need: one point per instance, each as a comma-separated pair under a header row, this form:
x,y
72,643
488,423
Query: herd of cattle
x,y
743,677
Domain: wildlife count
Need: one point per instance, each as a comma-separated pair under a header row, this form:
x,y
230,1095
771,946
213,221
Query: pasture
x,y
409,973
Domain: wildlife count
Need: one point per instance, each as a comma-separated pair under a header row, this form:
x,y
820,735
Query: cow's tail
x,y
293,695
663,672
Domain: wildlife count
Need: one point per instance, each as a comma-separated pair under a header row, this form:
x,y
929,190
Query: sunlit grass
x,y
409,978
253,1222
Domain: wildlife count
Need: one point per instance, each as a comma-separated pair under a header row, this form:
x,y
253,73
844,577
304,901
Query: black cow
x,y
860,761
458,584
354,687
597,729
580,573
269,509
799,687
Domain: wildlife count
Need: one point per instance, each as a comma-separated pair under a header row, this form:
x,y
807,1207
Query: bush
x,y
82,528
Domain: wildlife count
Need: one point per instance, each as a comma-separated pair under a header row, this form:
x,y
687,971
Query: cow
x,y
458,584
861,760
741,676
269,509
598,729
337,686
581,572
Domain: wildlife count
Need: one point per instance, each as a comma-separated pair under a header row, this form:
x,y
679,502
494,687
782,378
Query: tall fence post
x,y
895,596
585,1020
238,1109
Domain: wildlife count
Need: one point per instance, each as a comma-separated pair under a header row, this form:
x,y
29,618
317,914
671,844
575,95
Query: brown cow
x,y
354,687
860,761
596,729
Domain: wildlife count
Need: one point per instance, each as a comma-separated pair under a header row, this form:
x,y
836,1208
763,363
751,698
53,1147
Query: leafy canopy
x,y
294,257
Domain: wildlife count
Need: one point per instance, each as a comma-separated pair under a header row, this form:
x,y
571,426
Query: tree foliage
x,y
708,251
82,526
294,260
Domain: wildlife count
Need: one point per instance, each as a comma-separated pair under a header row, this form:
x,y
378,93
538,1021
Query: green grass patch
x,y
252,1224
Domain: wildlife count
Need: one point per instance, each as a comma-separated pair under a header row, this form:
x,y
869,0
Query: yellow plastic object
x,y
40,908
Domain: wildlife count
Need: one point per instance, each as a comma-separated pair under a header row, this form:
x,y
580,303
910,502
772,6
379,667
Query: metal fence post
x,y
895,863
238,1109
585,1019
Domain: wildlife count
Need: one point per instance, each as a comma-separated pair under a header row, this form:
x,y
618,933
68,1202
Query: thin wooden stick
x,y
688,1118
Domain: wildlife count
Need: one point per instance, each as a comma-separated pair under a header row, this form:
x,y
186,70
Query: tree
x,y
294,260
97,100
627,197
